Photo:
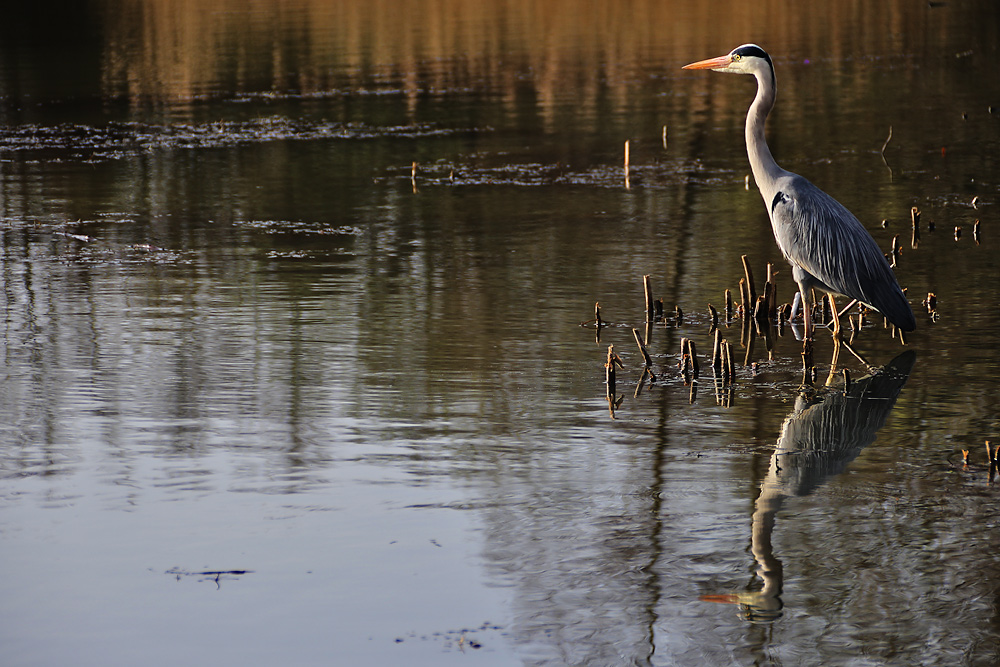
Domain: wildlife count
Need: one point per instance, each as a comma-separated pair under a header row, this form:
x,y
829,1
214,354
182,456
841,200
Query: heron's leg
x,y
836,317
807,315
805,282
796,306
836,357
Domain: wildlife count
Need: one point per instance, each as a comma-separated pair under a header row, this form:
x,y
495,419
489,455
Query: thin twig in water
x,y
882,153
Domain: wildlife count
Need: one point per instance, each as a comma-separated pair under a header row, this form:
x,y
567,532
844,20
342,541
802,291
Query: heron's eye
x,y
737,56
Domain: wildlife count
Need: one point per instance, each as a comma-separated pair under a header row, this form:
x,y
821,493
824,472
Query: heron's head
x,y
746,59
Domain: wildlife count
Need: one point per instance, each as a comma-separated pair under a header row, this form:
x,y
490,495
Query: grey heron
x,y
828,248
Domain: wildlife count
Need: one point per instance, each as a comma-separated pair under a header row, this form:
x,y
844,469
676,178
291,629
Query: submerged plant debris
x,y
118,140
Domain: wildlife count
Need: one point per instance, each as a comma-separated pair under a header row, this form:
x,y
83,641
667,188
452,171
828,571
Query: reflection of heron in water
x,y
818,441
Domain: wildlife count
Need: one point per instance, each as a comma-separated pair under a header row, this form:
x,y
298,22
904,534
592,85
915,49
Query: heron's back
x,y
819,235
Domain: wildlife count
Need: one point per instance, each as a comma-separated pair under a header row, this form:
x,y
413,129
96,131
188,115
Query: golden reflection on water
x,y
180,50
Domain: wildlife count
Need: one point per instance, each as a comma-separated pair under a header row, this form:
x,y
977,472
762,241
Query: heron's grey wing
x,y
817,233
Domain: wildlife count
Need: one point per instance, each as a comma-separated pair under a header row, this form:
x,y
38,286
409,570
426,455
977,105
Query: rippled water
x,y
296,361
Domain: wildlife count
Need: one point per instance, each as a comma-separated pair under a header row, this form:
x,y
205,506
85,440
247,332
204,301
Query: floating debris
x,y
207,575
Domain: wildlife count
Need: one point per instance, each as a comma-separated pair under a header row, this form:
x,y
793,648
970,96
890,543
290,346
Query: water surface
x,y
270,393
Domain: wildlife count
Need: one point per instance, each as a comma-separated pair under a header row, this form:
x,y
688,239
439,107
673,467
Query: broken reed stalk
x,y
729,305
626,165
915,220
664,137
807,355
751,289
682,364
745,334
609,376
895,251
717,351
847,382
958,232
715,316
694,357
647,288
658,309
642,348
413,176
678,314
760,310
931,302
744,297
750,339
975,232
728,369
597,314
846,308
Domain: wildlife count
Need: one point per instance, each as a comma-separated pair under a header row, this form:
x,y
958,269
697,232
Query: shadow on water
x,y
819,439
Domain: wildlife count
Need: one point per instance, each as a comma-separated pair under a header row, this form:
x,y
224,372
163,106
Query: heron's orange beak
x,y
711,63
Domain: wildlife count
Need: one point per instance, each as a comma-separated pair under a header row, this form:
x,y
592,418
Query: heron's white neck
x,y
765,169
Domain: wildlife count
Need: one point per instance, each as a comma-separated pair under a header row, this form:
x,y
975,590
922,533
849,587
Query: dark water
x,y
269,396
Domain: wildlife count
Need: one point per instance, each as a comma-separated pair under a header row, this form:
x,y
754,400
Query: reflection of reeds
x,y
169,50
